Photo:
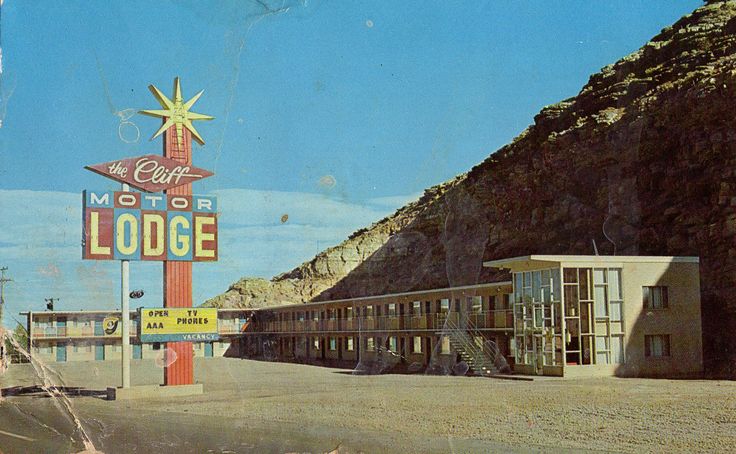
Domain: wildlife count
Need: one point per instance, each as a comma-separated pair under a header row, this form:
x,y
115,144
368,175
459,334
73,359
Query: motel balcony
x,y
227,329
81,333
495,319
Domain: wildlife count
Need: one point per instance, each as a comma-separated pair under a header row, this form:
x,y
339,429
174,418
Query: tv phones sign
x,y
149,226
180,324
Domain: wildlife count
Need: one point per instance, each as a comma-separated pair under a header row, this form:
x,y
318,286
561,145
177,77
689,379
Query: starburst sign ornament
x,y
176,113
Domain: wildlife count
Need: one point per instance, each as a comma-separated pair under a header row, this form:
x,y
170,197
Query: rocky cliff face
x,y
642,161
318,275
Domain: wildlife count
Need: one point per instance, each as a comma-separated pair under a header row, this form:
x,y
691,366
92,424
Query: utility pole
x,y
3,280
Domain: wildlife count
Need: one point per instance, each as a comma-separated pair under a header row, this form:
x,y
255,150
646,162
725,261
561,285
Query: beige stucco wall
x,y
681,320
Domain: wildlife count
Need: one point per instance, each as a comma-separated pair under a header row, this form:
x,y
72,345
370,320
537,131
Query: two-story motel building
x,y
559,315
61,336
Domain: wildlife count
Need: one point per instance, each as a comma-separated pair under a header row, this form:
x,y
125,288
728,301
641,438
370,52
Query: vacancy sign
x,y
141,226
178,324
150,173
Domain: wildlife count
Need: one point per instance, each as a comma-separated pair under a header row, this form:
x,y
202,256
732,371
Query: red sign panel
x,y
150,173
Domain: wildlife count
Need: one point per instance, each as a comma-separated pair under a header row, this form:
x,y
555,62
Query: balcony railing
x,y
47,333
498,319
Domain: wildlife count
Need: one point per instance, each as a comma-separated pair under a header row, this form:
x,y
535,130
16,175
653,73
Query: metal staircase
x,y
484,358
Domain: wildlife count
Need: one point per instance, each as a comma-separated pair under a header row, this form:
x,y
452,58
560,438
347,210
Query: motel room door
x,y
208,349
99,351
61,352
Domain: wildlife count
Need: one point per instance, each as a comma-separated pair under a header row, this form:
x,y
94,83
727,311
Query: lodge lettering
x,y
149,170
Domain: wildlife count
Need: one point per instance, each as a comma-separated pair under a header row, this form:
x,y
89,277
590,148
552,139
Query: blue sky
x,y
378,99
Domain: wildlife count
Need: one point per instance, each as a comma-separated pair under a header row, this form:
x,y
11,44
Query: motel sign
x,y
141,226
164,223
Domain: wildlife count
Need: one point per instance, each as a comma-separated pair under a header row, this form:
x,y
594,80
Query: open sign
x,y
138,226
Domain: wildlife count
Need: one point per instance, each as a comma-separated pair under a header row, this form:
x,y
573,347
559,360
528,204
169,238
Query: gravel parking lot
x,y
251,406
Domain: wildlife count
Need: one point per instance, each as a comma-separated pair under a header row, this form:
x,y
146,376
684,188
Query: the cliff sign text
x,y
150,173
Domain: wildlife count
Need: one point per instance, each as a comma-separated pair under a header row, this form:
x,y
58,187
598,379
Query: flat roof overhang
x,y
497,285
535,262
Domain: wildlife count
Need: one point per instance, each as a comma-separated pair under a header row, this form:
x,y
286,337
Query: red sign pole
x,y
178,274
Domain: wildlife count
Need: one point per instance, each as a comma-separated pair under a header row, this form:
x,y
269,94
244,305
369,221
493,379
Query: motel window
x,y
476,304
114,347
370,344
315,343
417,344
88,348
416,307
333,314
655,297
393,344
349,344
369,311
392,309
300,316
444,344
156,346
333,343
657,346
349,313
75,349
444,306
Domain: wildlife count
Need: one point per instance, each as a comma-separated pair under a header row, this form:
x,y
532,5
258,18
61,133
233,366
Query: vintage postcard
x,y
311,226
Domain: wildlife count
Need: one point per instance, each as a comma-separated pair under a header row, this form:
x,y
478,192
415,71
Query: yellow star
x,y
176,113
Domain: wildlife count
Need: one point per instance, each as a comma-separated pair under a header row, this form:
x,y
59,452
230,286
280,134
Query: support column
x,y
125,316
178,275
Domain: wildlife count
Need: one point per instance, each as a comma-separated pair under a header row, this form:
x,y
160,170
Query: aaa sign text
x,y
139,226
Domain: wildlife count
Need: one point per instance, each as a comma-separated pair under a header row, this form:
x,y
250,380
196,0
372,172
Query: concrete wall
x,y
681,320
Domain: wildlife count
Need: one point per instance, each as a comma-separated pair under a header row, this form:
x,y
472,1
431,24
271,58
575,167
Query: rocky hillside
x,y
642,161
318,275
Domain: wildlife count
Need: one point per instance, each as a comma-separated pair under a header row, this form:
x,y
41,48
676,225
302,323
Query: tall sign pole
x,y
125,313
177,289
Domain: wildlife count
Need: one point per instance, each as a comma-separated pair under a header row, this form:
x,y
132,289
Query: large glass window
x,y
417,344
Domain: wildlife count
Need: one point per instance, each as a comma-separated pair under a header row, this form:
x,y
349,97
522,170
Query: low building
x,y
60,336
560,315
412,331
606,315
